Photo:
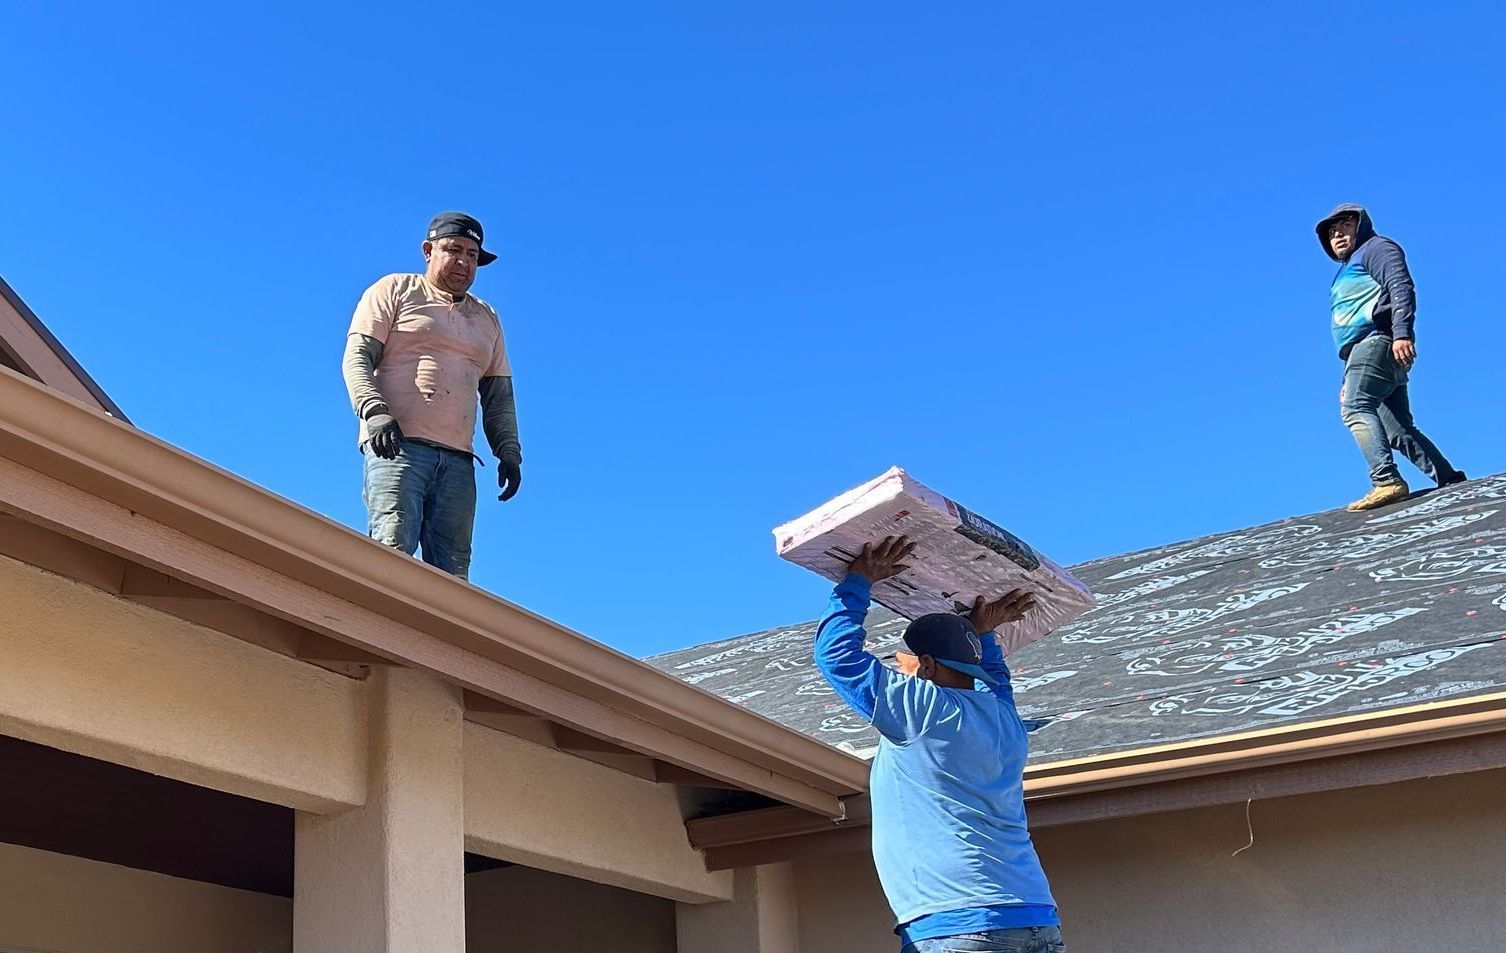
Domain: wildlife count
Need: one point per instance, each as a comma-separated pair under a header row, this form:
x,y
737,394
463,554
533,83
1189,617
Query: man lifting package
x,y
950,838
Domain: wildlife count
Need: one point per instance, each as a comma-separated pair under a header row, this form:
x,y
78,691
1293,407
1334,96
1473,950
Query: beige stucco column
x,y
388,877
760,917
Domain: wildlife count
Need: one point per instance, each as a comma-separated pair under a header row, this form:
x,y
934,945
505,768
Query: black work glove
x,y
384,435
509,478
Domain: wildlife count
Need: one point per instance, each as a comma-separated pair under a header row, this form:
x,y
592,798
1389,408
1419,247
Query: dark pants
x,y
1376,410
425,497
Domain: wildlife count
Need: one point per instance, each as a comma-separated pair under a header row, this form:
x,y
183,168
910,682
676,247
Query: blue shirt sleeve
x,y
900,707
1387,264
853,671
993,663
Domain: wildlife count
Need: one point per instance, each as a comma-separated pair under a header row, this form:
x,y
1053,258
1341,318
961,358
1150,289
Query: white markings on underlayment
x,y
1247,653
1439,500
1444,564
1365,545
1297,694
1163,623
1226,547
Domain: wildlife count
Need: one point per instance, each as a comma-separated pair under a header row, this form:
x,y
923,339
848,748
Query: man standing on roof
x,y
420,350
1374,305
950,841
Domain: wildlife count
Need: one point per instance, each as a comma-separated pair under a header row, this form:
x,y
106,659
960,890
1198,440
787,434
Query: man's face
x,y
452,263
927,669
1341,236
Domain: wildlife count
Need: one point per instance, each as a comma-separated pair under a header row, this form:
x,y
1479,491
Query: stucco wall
x,y
542,808
97,675
519,908
60,904
1388,869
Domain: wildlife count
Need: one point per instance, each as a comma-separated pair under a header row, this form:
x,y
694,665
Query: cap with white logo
x,y
461,225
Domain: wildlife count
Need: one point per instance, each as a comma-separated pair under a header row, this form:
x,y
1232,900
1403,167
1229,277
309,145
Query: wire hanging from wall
x,y
1248,826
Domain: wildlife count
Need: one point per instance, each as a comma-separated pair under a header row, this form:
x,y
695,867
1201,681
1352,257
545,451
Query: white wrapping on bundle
x,y
959,555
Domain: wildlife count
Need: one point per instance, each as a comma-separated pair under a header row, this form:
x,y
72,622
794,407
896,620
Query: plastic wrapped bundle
x,y
959,555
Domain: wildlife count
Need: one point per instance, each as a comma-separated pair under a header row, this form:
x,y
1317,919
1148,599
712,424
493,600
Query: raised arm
x,y
986,618
859,678
854,672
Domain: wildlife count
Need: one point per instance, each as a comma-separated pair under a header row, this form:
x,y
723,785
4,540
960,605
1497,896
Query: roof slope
x,y
28,347
1306,619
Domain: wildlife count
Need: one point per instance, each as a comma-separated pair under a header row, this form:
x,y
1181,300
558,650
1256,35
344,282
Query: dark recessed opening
x,y
69,804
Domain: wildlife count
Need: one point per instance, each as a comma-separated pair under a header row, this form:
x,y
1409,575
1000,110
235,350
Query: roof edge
x,y
1146,768
50,341
82,447
1370,731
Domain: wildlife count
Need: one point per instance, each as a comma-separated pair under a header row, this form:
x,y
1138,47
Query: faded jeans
x,y
426,497
1375,408
1012,940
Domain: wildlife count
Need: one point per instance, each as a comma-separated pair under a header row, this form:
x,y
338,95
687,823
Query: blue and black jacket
x,y
1372,292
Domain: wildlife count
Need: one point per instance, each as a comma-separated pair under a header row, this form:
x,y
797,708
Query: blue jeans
x,y
1376,410
1013,940
425,497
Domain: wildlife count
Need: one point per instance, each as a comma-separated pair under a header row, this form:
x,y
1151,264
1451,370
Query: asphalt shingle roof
x,y
1306,619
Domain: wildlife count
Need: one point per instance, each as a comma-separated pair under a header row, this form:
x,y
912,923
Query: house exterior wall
x,y
518,908
96,675
59,904
761,917
386,876
1386,869
532,805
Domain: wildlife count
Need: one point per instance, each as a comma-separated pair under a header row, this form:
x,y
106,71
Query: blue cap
x,y
950,640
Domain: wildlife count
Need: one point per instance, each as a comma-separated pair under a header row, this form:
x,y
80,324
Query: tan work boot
x,y
1379,496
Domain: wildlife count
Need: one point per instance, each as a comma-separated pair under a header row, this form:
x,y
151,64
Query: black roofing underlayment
x,y
1303,620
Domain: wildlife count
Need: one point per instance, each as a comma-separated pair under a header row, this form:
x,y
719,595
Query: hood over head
x,y
1363,234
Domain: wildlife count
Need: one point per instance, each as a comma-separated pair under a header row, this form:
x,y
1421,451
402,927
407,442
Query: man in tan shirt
x,y
421,348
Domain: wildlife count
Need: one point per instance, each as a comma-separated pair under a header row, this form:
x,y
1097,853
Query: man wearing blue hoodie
x,y
950,843
1374,305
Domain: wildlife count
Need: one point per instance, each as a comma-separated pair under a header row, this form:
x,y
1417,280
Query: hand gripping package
x,y
958,556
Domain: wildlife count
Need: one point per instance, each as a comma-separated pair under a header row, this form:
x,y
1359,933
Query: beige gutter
x,y
1415,724
1145,768
62,444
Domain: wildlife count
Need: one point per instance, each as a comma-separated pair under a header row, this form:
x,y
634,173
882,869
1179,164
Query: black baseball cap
x,y
952,641
446,224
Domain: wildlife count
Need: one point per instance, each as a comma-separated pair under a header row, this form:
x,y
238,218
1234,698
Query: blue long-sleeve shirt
x,y
950,840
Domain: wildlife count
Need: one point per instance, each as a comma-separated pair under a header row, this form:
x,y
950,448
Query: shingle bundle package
x,y
959,555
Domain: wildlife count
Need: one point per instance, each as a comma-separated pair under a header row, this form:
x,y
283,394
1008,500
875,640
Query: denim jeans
x,y
425,497
1013,940
1375,408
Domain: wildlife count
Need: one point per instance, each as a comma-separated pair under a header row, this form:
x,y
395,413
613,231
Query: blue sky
x,y
1056,261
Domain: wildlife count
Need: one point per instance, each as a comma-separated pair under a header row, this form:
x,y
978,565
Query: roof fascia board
x,y
60,508
42,355
1143,772
1361,769
128,469
1367,731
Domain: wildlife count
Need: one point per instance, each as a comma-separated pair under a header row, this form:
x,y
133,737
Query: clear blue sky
x,y
1056,260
